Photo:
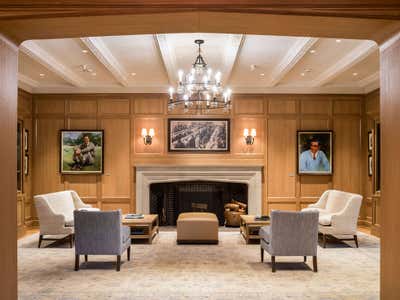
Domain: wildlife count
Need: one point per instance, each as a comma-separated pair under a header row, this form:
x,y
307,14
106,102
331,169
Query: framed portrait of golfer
x,y
198,135
82,151
315,152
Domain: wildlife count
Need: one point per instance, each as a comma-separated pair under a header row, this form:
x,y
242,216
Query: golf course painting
x,y
82,151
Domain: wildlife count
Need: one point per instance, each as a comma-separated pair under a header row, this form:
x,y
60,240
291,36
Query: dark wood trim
x,y
128,253
315,265
273,264
182,242
22,9
262,254
118,263
76,262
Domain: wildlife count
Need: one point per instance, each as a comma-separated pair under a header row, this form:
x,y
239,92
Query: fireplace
x,y
170,199
149,175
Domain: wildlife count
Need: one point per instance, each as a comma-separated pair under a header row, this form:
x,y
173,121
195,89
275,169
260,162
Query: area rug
x,y
229,270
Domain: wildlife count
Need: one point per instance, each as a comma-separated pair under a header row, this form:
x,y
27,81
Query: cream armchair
x,y
338,214
56,214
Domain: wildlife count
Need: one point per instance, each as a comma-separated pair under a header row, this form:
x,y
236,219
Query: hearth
x,y
170,199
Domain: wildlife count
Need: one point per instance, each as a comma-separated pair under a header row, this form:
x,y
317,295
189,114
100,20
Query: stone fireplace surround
x,y
146,175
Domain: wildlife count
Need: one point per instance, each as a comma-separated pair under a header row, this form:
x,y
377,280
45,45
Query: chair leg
x,y
273,263
128,252
86,258
262,254
315,267
76,262
71,241
324,240
356,240
118,263
40,240
305,258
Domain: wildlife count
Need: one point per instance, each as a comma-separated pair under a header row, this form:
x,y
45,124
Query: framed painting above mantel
x,y
199,135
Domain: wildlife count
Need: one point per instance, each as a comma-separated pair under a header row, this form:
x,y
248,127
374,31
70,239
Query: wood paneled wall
x,y
370,211
390,143
275,117
8,178
25,211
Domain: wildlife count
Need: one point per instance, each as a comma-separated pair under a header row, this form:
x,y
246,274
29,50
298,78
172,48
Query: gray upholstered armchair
x,y
100,233
290,234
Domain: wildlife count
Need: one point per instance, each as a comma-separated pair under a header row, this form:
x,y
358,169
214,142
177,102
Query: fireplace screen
x,y
168,200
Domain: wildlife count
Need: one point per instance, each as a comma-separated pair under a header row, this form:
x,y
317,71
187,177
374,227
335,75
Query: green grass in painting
x,y
68,162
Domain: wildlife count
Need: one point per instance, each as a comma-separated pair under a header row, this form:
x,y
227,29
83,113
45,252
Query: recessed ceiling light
x,y
41,75
262,74
307,70
355,74
133,74
338,41
313,51
94,74
303,74
84,51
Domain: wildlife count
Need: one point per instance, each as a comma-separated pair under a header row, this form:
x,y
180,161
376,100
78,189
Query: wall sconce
x,y
147,138
249,138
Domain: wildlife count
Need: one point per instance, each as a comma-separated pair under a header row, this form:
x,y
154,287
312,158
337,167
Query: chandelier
x,y
200,89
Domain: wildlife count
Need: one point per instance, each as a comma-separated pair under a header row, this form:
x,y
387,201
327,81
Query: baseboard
x,y
181,242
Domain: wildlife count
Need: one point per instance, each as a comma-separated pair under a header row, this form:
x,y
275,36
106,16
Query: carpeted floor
x,y
230,270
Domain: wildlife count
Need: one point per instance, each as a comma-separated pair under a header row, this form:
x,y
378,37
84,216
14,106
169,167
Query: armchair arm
x,y
321,203
346,219
78,201
50,222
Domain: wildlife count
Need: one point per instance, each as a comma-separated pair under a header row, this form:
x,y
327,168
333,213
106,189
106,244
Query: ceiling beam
x,y
99,49
167,56
231,53
34,51
291,58
362,51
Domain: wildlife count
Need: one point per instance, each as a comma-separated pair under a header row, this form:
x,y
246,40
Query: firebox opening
x,y
170,199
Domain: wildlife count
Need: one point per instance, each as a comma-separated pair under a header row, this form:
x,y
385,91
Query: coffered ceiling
x,y
150,63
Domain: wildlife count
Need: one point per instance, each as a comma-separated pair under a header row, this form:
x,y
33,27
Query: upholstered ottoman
x,y
197,228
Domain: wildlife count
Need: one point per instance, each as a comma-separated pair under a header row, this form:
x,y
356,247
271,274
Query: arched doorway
x,y
45,24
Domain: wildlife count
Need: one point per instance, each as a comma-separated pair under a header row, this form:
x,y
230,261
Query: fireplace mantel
x,y
251,175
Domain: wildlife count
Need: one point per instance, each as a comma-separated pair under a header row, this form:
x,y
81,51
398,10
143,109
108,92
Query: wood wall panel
x,y
313,123
116,180
49,106
87,107
282,206
318,106
281,157
8,178
149,104
314,186
114,106
390,166
124,207
248,105
46,168
282,106
347,107
347,152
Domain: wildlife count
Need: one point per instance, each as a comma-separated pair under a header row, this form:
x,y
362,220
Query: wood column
x,y
8,174
390,169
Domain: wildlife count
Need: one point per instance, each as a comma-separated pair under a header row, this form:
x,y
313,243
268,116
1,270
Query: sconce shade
x,y
151,132
144,132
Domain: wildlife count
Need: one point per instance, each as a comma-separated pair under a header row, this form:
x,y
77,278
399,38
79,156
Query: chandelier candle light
x,y
200,89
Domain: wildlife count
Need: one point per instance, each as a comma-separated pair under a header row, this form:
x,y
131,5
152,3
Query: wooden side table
x,y
249,227
146,228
